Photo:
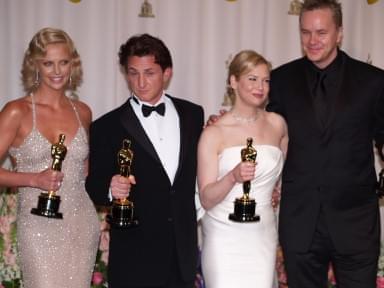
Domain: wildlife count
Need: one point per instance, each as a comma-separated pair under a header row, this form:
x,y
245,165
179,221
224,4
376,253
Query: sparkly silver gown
x,y
56,253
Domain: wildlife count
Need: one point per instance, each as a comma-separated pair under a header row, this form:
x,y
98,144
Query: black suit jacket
x,y
166,211
331,167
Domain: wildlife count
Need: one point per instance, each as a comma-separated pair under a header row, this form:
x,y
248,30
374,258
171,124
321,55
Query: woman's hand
x,y
48,180
244,171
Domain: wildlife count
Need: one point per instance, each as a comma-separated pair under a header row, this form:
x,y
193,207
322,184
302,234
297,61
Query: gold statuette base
x,y
244,211
48,206
122,216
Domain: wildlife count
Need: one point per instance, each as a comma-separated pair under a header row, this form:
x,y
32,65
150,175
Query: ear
x,y
340,36
233,82
167,75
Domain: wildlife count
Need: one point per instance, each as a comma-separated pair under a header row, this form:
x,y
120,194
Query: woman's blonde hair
x,y
241,64
37,48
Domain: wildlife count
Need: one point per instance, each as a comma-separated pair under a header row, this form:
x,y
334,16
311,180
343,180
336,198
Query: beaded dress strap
x,y
77,113
33,112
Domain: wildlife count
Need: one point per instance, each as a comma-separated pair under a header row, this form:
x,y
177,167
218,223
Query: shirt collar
x,y
138,102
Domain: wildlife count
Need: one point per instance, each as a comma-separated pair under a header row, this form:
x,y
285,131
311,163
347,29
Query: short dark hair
x,y
145,45
333,5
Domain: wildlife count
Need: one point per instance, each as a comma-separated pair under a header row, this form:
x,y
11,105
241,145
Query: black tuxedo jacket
x,y
166,211
330,167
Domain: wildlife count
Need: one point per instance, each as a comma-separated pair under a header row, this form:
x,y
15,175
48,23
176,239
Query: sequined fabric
x,y
55,253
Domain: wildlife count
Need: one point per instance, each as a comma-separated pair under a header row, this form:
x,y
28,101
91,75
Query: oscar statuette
x,y
122,211
245,206
48,203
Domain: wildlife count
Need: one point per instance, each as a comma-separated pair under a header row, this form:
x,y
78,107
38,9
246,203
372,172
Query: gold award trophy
x,y
48,204
245,206
122,215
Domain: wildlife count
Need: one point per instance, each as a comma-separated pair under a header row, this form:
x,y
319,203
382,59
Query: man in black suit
x,y
334,108
164,131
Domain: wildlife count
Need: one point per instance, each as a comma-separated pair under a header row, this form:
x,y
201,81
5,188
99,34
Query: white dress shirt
x,y
163,131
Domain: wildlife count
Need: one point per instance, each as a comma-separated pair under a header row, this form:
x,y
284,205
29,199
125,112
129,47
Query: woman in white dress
x,y
236,254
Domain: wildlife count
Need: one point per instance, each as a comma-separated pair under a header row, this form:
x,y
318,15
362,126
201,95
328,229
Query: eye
x,y
47,63
252,78
132,73
64,62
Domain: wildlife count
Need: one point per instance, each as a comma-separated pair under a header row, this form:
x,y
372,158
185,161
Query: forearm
x,y
214,193
17,179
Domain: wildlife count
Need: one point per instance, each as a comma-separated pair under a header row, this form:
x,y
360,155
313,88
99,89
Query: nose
x,y
56,69
313,38
259,84
141,81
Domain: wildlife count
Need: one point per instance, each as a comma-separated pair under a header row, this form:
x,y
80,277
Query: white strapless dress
x,y
243,254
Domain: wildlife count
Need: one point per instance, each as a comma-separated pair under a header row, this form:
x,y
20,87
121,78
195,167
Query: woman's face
x,y
252,87
55,67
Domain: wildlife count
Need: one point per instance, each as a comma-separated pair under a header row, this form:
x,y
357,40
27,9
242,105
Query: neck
x,y
49,97
249,116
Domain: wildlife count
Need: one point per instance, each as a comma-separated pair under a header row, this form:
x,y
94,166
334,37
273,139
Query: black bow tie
x,y
147,110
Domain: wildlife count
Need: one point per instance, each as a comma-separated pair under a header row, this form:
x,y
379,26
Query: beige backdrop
x,y
201,34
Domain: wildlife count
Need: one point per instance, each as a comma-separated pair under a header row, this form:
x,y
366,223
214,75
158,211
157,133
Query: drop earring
x,y
37,79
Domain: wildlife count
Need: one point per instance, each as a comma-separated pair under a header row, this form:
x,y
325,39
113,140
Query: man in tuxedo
x,y
162,250
334,108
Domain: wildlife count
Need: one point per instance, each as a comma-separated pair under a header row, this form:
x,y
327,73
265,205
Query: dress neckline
x,y
255,145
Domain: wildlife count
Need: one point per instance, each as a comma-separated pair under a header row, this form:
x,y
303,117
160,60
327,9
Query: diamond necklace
x,y
242,119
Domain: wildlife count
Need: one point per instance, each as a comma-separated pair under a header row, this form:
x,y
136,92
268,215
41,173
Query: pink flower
x,y
331,276
10,259
5,225
380,282
104,241
97,278
104,256
104,225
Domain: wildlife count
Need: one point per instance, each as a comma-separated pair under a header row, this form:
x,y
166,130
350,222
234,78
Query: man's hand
x,y
276,197
121,186
380,150
213,118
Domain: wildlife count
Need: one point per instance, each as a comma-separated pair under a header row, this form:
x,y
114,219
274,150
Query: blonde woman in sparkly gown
x,y
53,253
241,254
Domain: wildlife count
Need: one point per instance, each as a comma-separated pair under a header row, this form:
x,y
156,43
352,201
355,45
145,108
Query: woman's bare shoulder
x,y
275,119
84,110
16,108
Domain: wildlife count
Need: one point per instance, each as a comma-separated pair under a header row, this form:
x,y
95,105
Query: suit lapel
x,y
184,123
303,84
132,124
338,101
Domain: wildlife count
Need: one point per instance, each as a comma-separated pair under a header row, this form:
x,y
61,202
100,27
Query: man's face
x,y
319,36
146,79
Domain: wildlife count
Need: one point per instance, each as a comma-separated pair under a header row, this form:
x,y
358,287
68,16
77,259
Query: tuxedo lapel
x,y
132,124
184,122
